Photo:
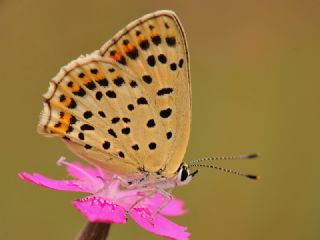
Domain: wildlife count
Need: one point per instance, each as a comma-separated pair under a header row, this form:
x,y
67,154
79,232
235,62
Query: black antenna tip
x,y
254,155
254,177
194,173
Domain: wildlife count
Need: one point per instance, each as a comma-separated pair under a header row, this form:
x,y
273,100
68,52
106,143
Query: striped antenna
x,y
254,177
219,158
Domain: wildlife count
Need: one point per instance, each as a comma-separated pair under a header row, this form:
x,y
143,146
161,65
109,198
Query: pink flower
x,y
109,202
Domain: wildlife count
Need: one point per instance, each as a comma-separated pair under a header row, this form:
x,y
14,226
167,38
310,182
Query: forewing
x,y
154,48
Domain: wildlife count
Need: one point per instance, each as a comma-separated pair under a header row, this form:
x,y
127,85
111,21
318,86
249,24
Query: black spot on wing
x,y
122,61
90,85
72,104
73,120
119,81
112,133
70,129
125,131
156,40
111,94
171,41
173,66
130,107
87,146
151,61
151,123
98,95
133,53
62,98
81,92
142,101
133,84
106,145
144,44
135,147
103,82
115,120
102,114
86,127
121,154
181,63
147,79
81,136
152,145
165,113
87,114
169,135
162,58
164,91
81,75
126,120
94,70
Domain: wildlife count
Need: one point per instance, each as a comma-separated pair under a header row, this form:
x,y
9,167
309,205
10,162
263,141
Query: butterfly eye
x,y
184,174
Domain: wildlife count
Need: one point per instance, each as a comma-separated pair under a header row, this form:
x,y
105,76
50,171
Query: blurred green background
x,y
255,79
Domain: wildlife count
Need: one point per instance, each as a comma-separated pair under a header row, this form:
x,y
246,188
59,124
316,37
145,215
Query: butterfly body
x,y
127,107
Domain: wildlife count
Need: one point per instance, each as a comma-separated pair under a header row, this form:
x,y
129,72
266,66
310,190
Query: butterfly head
x,y
184,175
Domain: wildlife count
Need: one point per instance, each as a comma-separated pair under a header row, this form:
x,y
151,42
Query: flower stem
x,y
95,231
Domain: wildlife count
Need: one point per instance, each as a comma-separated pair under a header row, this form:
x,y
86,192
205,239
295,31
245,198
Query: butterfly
x,y
127,106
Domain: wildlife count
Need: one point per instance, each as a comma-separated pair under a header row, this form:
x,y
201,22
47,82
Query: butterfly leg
x,y
167,194
145,194
108,182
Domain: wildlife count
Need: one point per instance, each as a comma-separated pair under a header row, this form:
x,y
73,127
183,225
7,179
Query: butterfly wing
x,y
154,47
85,106
126,107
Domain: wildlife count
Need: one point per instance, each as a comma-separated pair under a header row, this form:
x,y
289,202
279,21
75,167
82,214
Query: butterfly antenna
x,y
251,176
219,158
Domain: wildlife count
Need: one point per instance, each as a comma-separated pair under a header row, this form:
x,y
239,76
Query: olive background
x,y
255,69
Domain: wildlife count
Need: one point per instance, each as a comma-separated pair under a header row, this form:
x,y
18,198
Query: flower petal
x,y
77,170
97,209
173,208
160,225
62,185
91,179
